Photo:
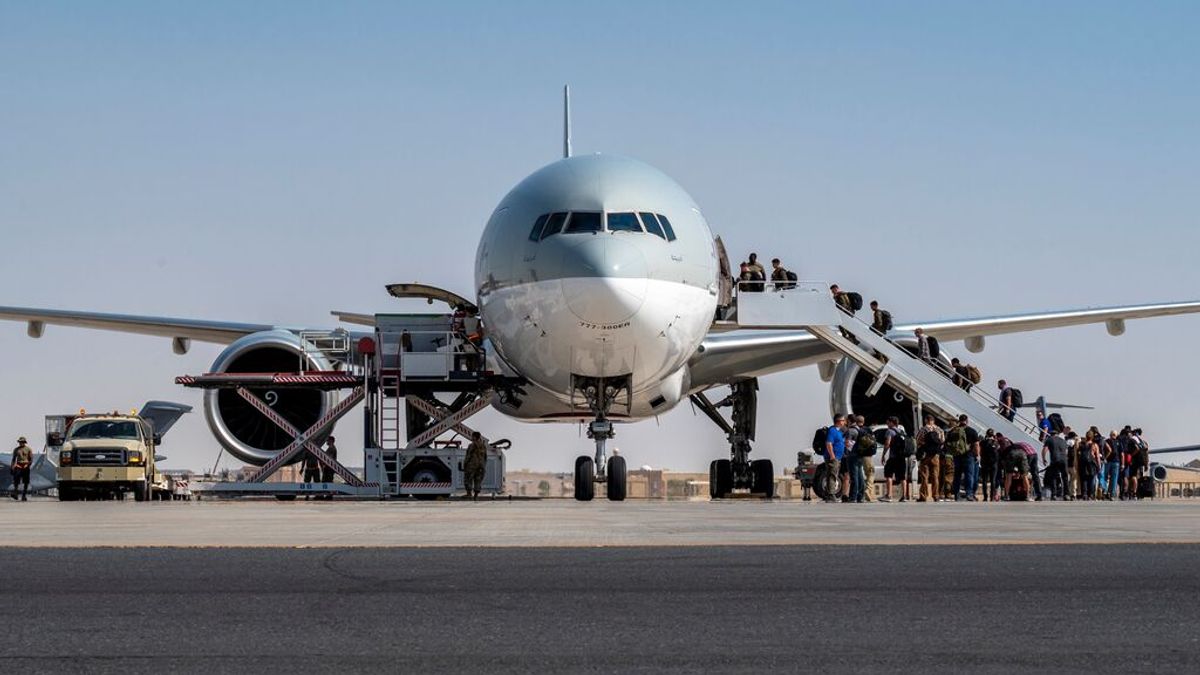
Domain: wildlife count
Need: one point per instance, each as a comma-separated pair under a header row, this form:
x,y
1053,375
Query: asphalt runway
x,y
1063,608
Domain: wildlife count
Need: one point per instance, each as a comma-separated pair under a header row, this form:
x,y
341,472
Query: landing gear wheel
x,y
720,478
585,479
762,473
616,485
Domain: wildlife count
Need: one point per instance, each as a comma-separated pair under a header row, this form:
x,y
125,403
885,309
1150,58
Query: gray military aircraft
x,y
599,281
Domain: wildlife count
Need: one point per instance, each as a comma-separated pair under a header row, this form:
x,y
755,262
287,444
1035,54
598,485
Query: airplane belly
x,y
598,327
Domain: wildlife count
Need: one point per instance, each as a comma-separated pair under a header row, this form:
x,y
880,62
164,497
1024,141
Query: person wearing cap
x,y
22,460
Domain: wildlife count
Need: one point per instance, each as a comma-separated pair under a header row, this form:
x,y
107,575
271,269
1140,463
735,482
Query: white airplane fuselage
x,y
626,290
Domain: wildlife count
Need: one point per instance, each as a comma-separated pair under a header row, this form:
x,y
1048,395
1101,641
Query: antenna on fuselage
x,y
566,121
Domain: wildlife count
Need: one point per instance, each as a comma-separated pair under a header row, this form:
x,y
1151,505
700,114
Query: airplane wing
x,y
726,356
220,332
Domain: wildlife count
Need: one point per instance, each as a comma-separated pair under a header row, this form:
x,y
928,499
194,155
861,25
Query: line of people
x,y
956,463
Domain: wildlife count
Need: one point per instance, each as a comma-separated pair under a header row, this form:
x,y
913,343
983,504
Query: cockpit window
x,y
666,224
623,222
652,225
554,224
585,221
538,224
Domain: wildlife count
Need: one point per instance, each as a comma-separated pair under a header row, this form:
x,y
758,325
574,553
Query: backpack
x,y
903,445
935,350
956,441
865,445
855,301
1018,399
974,374
1056,422
885,317
818,444
791,276
989,451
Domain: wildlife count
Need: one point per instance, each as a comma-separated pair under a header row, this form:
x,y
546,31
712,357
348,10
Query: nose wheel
x,y
601,469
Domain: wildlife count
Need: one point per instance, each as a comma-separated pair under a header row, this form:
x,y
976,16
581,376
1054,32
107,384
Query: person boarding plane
x,y
597,280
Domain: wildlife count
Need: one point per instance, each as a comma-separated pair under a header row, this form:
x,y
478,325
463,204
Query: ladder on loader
x,y
808,306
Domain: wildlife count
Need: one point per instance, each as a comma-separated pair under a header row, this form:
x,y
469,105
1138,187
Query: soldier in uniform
x,y
22,459
475,465
331,450
311,468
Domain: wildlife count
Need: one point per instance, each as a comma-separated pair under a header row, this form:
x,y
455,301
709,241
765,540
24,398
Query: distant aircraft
x,y
42,474
598,280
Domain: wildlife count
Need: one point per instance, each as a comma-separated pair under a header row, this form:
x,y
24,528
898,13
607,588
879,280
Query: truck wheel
x,y
141,491
67,495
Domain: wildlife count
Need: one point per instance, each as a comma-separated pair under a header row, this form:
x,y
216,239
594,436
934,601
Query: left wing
x,y
220,332
738,354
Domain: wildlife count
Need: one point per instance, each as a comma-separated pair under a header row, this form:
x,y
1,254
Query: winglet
x,y
566,121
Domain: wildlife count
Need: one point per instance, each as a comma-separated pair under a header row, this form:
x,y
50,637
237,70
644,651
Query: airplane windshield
x,y
584,221
538,224
555,224
105,429
623,222
666,224
652,225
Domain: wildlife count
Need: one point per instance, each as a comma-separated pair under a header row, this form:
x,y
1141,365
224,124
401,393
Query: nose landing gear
x,y
610,471
737,472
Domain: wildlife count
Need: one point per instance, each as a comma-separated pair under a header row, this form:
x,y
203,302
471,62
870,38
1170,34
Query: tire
x,y
617,485
141,491
819,481
720,478
585,479
67,494
286,498
762,472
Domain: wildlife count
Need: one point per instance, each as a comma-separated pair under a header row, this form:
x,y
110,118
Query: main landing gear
x,y
738,472
610,471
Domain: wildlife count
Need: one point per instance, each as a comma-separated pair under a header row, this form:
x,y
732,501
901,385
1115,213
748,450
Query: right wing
x,y
220,332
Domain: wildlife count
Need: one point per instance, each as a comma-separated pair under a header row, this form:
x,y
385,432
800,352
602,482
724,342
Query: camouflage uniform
x,y
475,466
22,459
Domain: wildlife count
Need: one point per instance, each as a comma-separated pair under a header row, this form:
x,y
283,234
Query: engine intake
x,y
848,391
237,425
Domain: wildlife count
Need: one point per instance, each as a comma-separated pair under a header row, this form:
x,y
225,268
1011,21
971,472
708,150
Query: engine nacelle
x,y
848,390
238,426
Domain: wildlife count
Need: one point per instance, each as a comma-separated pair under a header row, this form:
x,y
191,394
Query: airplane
x,y
599,281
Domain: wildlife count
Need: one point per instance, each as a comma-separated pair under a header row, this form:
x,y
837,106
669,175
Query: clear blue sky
x,y
274,161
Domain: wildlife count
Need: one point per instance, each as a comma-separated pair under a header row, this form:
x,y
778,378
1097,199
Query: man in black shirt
x,y
1056,470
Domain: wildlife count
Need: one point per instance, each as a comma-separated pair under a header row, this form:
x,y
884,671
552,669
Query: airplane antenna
x,y
566,121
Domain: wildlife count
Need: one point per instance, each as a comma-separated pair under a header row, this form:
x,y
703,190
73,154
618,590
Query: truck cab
x,y
106,456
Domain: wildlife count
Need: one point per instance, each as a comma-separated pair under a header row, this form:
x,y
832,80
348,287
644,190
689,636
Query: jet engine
x,y
237,425
849,386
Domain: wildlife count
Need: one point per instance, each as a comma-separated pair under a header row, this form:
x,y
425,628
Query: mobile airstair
x,y
809,306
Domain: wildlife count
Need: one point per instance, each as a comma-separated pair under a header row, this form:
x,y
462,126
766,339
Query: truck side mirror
x,y
157,439
54,439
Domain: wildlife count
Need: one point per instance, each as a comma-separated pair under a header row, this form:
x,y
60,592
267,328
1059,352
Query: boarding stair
x,y
809,306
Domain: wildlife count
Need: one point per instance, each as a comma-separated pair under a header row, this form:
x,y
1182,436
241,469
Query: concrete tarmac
x,y
852,609
551,523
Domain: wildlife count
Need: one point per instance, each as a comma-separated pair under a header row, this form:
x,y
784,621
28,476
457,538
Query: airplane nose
x,y
604,279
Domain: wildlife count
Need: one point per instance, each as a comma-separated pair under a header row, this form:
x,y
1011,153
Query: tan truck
x,y
106,456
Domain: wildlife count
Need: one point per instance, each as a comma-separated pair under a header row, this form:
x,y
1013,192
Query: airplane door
x,y
725,288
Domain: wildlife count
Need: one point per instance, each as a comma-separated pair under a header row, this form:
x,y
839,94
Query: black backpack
x,y
791,276
855,301
818,444
935,350
885,318
904,444
989,451
1018,399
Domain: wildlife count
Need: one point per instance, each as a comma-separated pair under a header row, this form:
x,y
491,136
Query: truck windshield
x,y
106,429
